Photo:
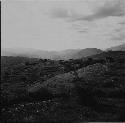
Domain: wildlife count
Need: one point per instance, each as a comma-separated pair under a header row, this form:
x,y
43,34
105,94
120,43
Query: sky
x,y
62,24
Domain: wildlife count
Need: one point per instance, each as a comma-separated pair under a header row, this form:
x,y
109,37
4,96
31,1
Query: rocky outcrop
x,y
92,71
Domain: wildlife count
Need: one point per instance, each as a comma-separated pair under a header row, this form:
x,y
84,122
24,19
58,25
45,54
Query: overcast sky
x,y
62,24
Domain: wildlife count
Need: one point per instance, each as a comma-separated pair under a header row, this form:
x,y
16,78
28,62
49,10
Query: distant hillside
x,y
28,52
65,55
117,48
87,52
114,54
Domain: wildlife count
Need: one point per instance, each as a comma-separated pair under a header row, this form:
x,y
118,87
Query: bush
x,y
116,93
98,92
42,94
85,96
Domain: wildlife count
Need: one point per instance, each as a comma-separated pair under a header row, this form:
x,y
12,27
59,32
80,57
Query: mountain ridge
x,y
58,55
54,55
117,48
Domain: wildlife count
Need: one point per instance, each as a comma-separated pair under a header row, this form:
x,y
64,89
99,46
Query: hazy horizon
x,y
62,25
3,48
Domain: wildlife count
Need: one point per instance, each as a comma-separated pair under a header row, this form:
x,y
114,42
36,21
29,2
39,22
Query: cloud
x,y
80,28
117,34
83,31
81,21
122,23
109,9
119,37
118,30
114,8
60,13
63,13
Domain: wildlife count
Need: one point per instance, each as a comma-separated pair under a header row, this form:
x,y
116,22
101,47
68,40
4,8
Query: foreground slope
x,y
108,88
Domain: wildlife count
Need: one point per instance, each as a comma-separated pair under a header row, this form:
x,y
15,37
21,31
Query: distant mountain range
x,y
117,48
57,55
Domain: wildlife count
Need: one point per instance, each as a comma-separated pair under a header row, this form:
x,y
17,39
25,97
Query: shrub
x,y
98,92
42,94
117,93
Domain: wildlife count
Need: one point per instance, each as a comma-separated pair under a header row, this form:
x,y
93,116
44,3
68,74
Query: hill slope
x,y
117,48
108,88
114,54
87,52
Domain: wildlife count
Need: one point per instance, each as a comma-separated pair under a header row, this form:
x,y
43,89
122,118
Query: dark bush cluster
x,y
42,94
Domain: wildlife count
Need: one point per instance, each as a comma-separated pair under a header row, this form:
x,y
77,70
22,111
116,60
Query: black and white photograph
x,y
62,61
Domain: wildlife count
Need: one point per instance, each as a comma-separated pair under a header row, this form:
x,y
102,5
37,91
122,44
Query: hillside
x,y
66,79
28,52
117,48
34,90
87,52
114,54
9,61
